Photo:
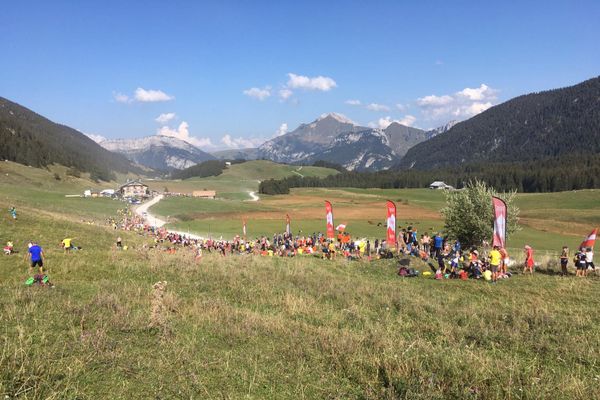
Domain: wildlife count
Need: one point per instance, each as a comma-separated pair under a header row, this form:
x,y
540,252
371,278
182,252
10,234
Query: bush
x,y
470,216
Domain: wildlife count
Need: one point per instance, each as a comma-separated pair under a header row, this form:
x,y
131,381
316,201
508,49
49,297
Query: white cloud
x,y
460,105
182,133
377,107
95,138
121,98
353,102
408,120
383,123
321,83
165,117
258,93
283,129
143,96
151,96
285,94
401,107
240,142
433,100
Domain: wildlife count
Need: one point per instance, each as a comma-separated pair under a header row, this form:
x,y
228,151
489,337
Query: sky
x,y
232,74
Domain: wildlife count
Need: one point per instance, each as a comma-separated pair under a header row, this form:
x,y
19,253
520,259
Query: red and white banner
x,y
391,223
329,220
244,227
288,226
499,238
340,227
590,240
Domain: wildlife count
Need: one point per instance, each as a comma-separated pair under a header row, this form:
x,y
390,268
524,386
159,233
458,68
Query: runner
x,y
37,258
13,212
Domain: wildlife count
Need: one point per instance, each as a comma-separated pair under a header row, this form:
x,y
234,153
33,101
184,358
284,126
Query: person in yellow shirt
x,y
67,244
331,250
495,260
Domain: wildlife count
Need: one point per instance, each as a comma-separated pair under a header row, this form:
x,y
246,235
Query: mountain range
x,y
162,153
536,126
335,138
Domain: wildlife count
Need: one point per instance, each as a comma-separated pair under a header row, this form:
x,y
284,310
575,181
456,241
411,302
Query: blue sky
x,y
234,73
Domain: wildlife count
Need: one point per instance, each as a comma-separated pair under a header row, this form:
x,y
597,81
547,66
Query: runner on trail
x,y
37,258
564,261
529,263
119,243
13,212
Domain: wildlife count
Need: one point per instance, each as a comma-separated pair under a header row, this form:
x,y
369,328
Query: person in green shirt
x,y
495,259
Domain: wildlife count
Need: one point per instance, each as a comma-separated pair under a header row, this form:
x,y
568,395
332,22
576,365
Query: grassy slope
x,y
239,179
276,328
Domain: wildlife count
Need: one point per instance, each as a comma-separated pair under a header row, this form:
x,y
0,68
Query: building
x,y
134,189
440,185
205,194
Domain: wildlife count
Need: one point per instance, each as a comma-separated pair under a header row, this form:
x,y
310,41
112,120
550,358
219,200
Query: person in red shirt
x,y
529,263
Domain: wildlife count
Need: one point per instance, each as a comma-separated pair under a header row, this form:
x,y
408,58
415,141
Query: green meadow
x,y
276,328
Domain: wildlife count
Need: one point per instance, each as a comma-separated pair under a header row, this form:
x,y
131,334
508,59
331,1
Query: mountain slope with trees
x,y
535,126
30,139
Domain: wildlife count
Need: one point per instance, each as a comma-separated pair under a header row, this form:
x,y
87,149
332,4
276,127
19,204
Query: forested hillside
x,y
30,139
551,175
536,126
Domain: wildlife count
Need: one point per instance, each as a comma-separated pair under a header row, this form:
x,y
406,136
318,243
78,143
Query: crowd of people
x,y
446,259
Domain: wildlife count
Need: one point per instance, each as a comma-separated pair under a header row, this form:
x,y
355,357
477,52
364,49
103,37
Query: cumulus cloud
x,y
383,123
377,107
353,102
460,105
434,101
258,93
240,142
283,129
285,93
320,83
165,117
183,133
143,96
151,96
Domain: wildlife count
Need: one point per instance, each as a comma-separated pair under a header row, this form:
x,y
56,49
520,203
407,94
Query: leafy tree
x,y
470,216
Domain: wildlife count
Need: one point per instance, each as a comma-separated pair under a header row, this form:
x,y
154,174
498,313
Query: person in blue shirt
x,y
37,257
438,243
